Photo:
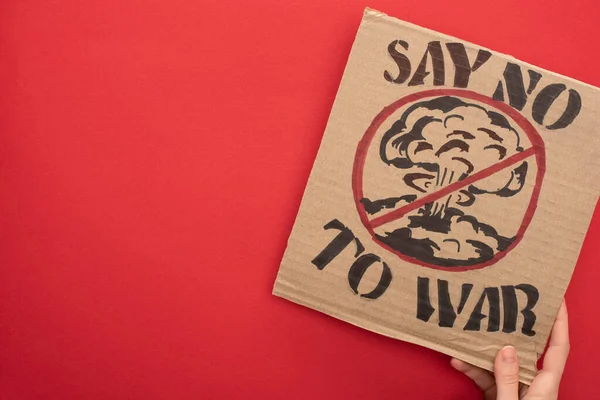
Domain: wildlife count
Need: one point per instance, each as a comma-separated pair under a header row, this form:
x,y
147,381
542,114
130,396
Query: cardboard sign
x,y
449,198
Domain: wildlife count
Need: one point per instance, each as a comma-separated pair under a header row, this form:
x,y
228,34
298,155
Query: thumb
x,y
506,371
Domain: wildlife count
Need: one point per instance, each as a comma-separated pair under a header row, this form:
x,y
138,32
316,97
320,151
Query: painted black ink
x,y
463,69
528,314
339,243
511,87
424,307
462,66
434,144
359,266
515,87
492,295
373,207
447,315
401,61
488,306
518,96
435,53
358,269
544,100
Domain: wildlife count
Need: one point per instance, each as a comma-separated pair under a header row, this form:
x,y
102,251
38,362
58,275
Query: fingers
x,y
558,349
506,367
506,370
483,379
523,388
545,385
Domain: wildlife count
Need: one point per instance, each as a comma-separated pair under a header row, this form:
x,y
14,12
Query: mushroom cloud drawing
x,y
438,142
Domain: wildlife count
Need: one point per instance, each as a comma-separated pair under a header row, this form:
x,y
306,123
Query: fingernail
x,y
509,354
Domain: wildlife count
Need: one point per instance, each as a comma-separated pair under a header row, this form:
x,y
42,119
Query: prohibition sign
x,y
535,150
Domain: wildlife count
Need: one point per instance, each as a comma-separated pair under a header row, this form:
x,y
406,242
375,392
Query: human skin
x,y
504,384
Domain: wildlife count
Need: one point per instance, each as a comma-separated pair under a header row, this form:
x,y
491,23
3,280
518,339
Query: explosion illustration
x,y
436,143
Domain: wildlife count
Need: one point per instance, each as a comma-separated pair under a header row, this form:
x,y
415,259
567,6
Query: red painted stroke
x,y
537,149
454,187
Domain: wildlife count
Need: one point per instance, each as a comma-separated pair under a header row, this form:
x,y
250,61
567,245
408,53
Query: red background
x,y
153,155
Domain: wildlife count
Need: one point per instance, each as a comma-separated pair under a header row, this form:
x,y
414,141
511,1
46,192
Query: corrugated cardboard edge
x,y
403,336
369,12
524,375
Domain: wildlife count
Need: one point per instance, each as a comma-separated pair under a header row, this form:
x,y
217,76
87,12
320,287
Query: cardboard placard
x,y
450,196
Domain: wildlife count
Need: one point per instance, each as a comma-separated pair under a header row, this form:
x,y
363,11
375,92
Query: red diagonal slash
x,y
484,173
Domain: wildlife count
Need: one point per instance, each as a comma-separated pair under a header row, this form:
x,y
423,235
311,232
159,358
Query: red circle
x,y
363,146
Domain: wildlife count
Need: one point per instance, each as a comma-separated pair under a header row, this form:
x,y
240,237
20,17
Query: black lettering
x,y
464,296
532,297
544,100
424,308
511,311
534,78
515,87
446,310
447,315
358,269
474,322
462,67
434,49
339,243
401,61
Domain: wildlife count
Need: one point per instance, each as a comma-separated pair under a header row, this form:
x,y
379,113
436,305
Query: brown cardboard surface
x,y
450,196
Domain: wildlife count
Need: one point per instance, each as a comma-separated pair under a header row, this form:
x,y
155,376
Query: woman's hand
x,y
504,383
